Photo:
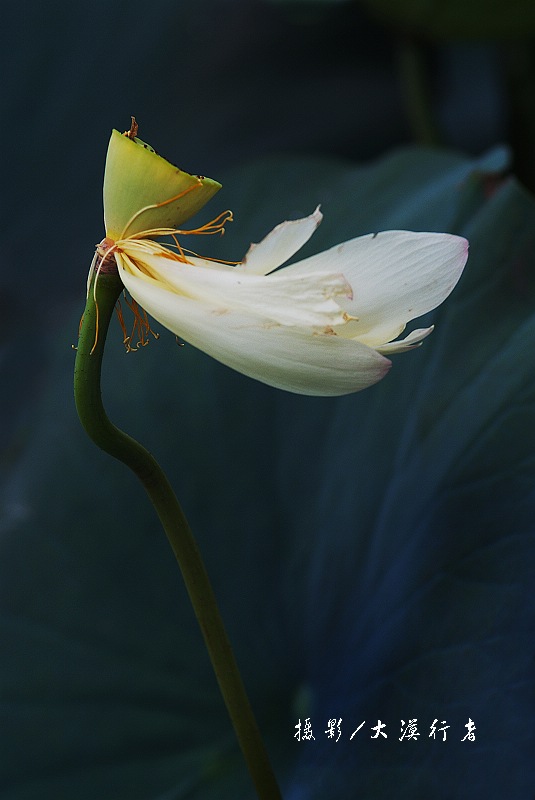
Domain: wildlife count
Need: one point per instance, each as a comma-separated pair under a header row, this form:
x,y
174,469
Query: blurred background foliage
x,y
373,554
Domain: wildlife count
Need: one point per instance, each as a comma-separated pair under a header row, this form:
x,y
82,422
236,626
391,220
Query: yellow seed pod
x,y
144,192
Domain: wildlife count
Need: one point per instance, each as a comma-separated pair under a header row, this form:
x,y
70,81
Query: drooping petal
x,y
411,341
299,359
280,244
308,298
395,276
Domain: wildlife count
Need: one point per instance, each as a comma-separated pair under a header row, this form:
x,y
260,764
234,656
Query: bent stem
x,y
93,417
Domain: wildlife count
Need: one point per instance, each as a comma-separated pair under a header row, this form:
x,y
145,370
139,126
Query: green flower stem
x,y
119,445
417,94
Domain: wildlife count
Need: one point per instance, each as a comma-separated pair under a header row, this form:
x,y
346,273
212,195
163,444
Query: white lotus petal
x,y
280,245
395,276
284,298
411,341
321,326
301,360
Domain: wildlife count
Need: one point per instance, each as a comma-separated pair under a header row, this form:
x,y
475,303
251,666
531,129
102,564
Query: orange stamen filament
x,y
159,205
217,225
141,326
179,248
104,252
207,258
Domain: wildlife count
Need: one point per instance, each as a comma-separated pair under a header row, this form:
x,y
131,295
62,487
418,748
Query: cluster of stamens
x,y
141,326
105,263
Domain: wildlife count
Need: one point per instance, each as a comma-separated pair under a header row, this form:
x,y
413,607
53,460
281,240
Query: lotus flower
x,y
321,326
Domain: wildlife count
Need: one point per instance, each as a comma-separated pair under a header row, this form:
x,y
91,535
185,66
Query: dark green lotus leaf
x,y
444,19
373,554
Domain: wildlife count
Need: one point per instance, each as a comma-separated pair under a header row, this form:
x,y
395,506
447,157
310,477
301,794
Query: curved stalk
x,y
118,444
